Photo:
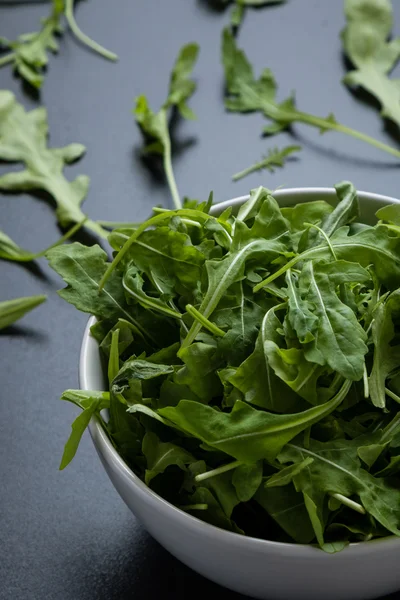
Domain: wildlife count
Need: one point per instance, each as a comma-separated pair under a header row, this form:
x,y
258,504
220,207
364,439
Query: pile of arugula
x,y
253,363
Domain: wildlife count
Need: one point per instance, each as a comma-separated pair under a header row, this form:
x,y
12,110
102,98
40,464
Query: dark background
x,y
67,535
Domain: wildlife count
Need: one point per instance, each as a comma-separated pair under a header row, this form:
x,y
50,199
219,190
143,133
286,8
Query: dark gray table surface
x,y
67,535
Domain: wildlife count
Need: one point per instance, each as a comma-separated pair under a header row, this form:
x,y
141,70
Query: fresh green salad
x,y
253,363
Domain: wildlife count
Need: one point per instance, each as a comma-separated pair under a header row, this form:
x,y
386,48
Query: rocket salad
x,y
253,363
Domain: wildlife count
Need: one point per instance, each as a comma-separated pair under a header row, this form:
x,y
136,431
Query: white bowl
x,y
258,568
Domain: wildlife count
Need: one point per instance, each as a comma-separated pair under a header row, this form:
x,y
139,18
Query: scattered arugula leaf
x,y
239,7
274,158
13,310
230,393
244,93
366,44
29,51
23,138
154,126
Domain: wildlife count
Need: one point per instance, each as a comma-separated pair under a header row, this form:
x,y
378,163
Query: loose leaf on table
x,y
246,433
9,250
386,353
13,310
155,125
29,52
244,93
366,43
274,158
336,469
23,139
239,7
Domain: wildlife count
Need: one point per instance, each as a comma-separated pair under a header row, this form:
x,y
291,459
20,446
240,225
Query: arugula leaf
x,y
371,246
247,479
91,403
155,125
212,369
286,507
29,51
336,469
9,250
12,310
267,390
365,42
160,456
246,433
274,158
386,353
336,338
244,93
23,138
239,8
82,269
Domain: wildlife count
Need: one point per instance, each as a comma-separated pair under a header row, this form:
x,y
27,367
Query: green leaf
x,y
154,126
287,508
161,455
265,240
274,158
306,212
247,479
29,51
245,93
285,475
336,339
267,390
336,469
91,403
199,373
372,246
82,269
386,353
86,398
246,433
23,139
13,310
140,376
365,42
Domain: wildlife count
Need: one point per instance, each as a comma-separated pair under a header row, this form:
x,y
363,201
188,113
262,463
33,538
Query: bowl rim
x,y
105,448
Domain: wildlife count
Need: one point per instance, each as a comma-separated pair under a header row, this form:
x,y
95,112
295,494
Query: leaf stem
x,y
69,15
194,507
325,124
366,383
169,173
392,395
218,471
350,503
256,167
203,321
8,58
323,233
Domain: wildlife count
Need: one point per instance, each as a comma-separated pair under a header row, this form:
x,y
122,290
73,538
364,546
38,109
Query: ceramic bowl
x,y
257,568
